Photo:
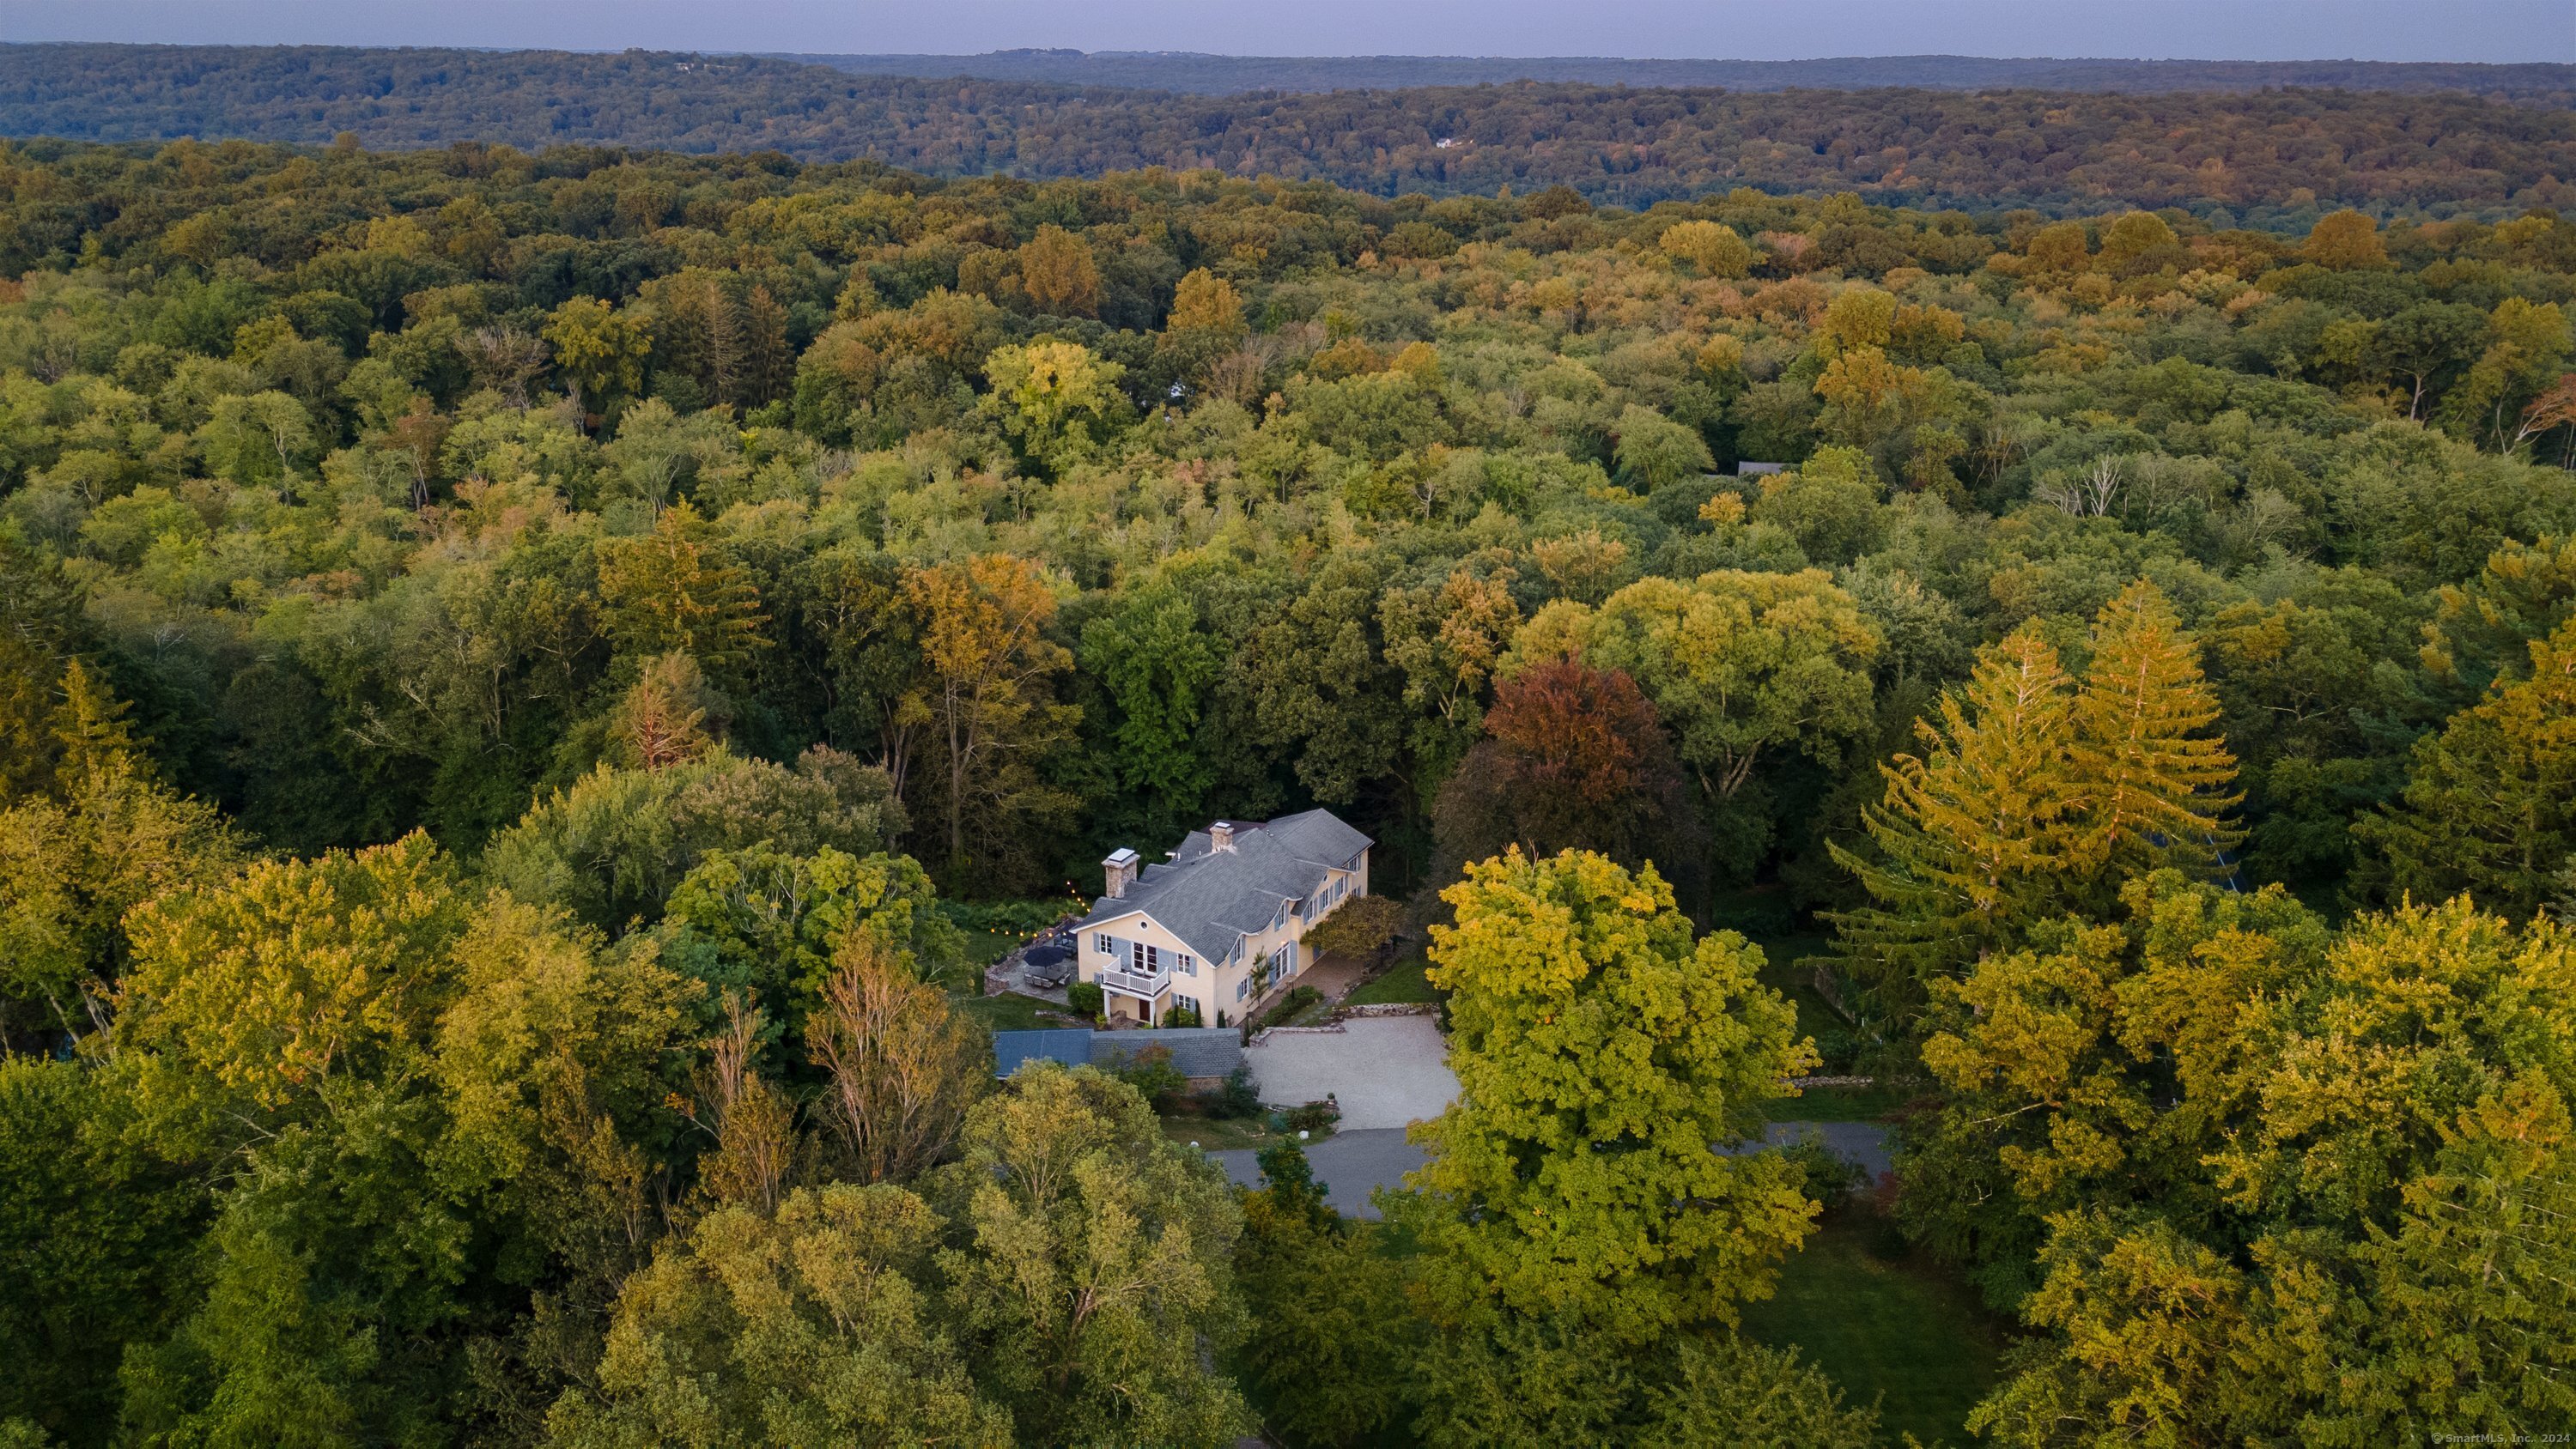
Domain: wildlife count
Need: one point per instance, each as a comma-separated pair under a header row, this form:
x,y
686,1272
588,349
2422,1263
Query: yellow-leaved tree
x,y
2038,794
1600,1052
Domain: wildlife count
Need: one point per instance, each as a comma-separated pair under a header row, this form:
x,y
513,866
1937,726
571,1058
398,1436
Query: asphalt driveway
x,y
1861,1143
1350,1165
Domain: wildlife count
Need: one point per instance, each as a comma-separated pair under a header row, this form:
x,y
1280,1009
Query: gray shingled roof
x,y
1213,898
1208,1051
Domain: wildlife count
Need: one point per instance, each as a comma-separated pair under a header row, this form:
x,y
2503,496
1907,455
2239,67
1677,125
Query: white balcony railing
x,y
1136,983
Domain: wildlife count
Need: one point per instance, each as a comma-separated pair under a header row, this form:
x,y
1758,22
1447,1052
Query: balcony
x,y
1136,983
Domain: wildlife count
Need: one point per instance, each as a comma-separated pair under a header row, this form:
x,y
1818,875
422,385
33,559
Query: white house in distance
x,y
1221,925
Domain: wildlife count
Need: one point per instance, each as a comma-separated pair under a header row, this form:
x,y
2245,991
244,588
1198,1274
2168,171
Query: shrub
x,y
1085,998
1831,1179
1235,1097
1291,1004
1179,1016
1313,1117
1360,929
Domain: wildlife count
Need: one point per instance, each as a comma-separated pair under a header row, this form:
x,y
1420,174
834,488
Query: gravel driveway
x,y
1385,1071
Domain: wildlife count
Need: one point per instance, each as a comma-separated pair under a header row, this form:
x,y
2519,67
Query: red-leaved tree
x,y
1573,757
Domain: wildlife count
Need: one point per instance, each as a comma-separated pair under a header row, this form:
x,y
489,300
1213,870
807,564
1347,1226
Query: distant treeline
x,y
1171,70
2271,157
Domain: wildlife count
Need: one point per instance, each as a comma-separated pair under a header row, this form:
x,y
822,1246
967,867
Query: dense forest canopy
x,y
2257,157
515,663
1169,70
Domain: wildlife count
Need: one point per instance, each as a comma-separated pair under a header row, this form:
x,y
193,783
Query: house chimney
x,y
1221,835
1120,868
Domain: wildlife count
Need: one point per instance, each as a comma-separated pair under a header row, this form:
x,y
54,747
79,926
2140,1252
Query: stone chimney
x,y
1120,868
1221,835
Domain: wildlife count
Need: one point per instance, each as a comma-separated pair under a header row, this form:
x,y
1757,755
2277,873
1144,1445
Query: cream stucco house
x,y
1220,926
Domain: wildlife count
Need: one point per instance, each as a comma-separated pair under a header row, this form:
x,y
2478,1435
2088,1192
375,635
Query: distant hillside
x,y
2295,150
1177,70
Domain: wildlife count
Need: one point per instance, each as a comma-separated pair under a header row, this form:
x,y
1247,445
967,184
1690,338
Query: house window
x,y
1283,962
1243,988
1189,1004
1185,964
1105,944
1146,959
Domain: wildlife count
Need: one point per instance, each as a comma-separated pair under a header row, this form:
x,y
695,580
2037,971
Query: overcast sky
x,y
2487,30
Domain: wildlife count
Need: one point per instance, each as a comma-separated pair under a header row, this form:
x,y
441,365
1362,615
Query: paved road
x,y
1351,1165
1384,1071
1861,1142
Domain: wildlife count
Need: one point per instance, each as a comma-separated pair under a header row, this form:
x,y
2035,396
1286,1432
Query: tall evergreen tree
x,y
1974,834
2038,795
2155,784
2490,807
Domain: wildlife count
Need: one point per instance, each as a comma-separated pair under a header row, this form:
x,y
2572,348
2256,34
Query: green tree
x,y
1092,1272
1742,666
1158,667
1600,1056
1330,1334
1057,400
1529,1384
2369,1254
989,707
814,1324
257,441
600,351
95,1236
1829,504
554,1065
259,990
774,924
613,848
72,866
1656,452
2487,803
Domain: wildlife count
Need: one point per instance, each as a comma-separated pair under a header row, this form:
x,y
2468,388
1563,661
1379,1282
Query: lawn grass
x,y
1837,1104
1400,984
1011,1011
1887,1325
1781,953
986,947
1221,1134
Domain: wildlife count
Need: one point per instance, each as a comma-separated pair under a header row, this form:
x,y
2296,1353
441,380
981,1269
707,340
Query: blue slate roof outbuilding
x,y
1198,1051
1071,1046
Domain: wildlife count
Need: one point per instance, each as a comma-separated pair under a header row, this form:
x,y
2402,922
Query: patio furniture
x,y
1048,965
